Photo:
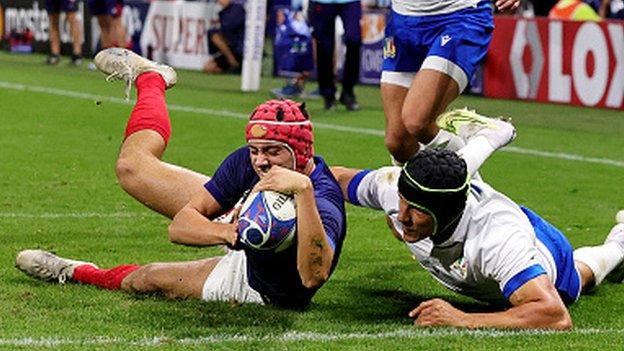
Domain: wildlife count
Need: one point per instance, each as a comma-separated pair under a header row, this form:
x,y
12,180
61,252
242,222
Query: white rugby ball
x,y
268,221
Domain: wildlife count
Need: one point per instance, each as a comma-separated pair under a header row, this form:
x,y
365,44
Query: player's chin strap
x,y
445,233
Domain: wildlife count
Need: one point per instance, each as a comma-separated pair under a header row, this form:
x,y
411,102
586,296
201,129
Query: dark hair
x,y
436,182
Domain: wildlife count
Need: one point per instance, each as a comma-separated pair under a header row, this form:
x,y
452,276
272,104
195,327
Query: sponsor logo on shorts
x,y
389,50
445,39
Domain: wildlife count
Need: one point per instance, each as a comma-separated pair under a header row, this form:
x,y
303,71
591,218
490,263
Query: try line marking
x,y
296,336
329,126
123,215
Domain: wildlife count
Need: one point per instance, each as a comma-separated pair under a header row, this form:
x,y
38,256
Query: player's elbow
x,y
555,316
563,321
314,278
315,281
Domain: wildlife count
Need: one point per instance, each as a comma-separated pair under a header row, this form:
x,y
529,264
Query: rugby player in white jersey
x,y
432,49
478,242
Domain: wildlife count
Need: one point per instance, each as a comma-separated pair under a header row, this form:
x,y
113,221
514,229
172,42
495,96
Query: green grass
x,y
57,156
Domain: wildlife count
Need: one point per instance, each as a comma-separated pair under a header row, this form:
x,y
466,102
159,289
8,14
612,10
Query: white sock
x,y
446,140
475,153
600,259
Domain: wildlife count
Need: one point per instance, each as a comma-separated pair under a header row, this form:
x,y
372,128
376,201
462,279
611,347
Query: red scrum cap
x,y
286,122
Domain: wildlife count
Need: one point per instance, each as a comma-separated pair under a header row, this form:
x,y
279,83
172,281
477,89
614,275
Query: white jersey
x,y
493,243
430,7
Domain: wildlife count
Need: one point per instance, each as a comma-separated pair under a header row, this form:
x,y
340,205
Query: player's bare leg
x,y
104,21
162,187
397,139
75,30
174,280
219,41
429,95
411,113
55,34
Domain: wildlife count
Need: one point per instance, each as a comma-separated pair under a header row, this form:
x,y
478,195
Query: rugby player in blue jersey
x,y
279,156
432,49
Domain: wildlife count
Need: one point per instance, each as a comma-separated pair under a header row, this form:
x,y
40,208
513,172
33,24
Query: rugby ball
x,y
268,221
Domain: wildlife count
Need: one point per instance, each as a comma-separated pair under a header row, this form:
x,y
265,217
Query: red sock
x,y
104,278
150,110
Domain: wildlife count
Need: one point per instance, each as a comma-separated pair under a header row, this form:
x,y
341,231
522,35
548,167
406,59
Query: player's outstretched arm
x,y
536,305
314,254
192,226
344,176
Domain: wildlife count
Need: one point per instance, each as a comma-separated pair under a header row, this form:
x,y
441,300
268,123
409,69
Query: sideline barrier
x,y
578,63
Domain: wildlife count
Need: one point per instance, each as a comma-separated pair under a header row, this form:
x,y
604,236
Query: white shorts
x,y
228,281
440,64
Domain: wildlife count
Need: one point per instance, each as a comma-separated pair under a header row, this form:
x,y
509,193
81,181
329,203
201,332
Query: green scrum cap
x,y
436,182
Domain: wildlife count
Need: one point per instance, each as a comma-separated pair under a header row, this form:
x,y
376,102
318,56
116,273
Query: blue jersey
x,y
275,275
293,44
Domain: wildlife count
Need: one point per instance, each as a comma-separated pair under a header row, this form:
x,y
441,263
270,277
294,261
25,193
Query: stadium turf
x,y
60,130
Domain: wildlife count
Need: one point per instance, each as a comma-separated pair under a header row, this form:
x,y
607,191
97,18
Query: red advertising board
x,y
579,63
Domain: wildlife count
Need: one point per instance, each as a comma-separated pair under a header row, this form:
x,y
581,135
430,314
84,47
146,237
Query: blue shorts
x,y
56,6
453,43
105,7
568,282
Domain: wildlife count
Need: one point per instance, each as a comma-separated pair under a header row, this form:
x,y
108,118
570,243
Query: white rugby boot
x,y
468,124
616,235
47,266
125,65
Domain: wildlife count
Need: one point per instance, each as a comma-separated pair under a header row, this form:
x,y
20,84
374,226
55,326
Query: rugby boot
x,y
47,266
468,124
123,64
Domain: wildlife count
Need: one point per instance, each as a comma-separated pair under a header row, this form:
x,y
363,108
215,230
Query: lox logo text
x,y
580,63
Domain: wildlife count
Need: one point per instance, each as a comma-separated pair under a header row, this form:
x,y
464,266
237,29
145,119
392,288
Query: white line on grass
x,y
125,215
243,116
294,337
77,215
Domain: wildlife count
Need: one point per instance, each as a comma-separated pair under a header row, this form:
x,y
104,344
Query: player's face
x,y
266,155
417,225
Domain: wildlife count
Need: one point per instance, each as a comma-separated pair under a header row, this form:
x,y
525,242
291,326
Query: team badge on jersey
x,y
461,267
389,50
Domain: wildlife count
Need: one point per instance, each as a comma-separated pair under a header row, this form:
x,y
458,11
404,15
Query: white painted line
x,y
564,156
328,126
295,336
76,215
130,215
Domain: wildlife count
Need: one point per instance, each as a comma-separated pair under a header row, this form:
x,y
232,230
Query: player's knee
x,y
415,124
138,281
393,144
127,170
145,280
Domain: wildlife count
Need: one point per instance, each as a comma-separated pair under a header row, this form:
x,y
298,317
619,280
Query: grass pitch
x,y
59,192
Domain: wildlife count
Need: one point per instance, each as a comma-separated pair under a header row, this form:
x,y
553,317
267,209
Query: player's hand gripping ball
x,y
268,221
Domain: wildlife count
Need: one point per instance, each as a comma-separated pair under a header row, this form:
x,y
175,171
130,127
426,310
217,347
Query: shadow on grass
x,y
380,305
